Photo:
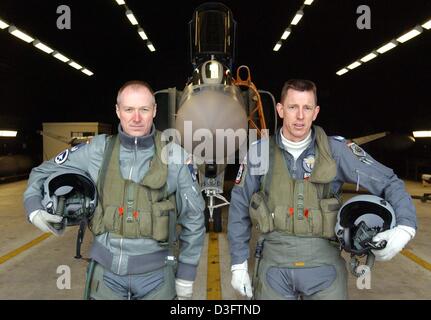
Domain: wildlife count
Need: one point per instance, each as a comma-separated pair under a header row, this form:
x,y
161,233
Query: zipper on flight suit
x,y
191,203
134,158
129,203
359,173
121,256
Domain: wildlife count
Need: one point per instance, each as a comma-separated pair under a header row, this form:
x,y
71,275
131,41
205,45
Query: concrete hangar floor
x,y
31,262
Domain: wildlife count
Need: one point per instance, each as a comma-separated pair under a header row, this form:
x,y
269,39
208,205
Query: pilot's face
x,y
136,109
298,111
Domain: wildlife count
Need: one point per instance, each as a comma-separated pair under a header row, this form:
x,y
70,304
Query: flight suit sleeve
x,y
190,206
84,157
354,165
247,183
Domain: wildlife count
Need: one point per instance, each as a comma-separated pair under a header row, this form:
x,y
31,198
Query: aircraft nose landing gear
x,y
213,212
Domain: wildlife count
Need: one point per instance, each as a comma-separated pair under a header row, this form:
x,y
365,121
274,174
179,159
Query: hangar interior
x,y
63,62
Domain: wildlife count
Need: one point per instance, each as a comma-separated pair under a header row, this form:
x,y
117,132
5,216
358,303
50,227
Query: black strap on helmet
x,y
360,242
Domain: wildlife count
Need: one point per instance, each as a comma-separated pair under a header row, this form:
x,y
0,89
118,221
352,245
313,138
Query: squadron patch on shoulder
x,y
360,153
357,150
62,157
308,163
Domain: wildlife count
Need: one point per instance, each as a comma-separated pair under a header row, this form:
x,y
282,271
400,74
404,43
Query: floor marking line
x,y
416,259
23,248
213,274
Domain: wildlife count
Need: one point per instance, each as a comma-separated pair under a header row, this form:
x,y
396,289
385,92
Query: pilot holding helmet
x,y
145,187
289,187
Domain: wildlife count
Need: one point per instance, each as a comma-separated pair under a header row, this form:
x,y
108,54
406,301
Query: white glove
x,y
396,239
241,280
184,289
43,220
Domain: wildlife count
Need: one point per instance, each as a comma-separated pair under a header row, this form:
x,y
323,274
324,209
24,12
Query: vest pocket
x,y
282,219
161,219
96,223
145,223
112,219
259,213
316,222
330,209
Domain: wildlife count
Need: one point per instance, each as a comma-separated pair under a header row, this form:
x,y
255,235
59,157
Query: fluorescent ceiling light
x,y
422,134
60,57
409,35
8,133
42,47
277,46
142,34
150,46
342,71
297,17
87,72
120,2
131,17
354,65
387,47
3,25
75,65
308,2
286,33
427,25
19,34
369,57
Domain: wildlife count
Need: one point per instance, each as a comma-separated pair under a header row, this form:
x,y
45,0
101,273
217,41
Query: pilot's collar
x,y
143,142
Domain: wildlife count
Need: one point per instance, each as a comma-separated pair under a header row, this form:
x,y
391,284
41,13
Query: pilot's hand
x,y
396,239
184,289
43,220
241,280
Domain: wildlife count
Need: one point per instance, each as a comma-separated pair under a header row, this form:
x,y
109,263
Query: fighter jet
x,y
215,110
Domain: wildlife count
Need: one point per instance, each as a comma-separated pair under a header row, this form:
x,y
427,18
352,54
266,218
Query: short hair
x,y
135,84
298,85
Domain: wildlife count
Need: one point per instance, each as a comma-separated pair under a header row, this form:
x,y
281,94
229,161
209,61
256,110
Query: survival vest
x,y
129,209
302,207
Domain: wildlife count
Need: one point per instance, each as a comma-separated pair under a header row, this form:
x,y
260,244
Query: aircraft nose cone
x,y
210,120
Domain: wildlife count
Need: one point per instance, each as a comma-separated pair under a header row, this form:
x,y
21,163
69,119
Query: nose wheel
x,y
215,223
213,212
